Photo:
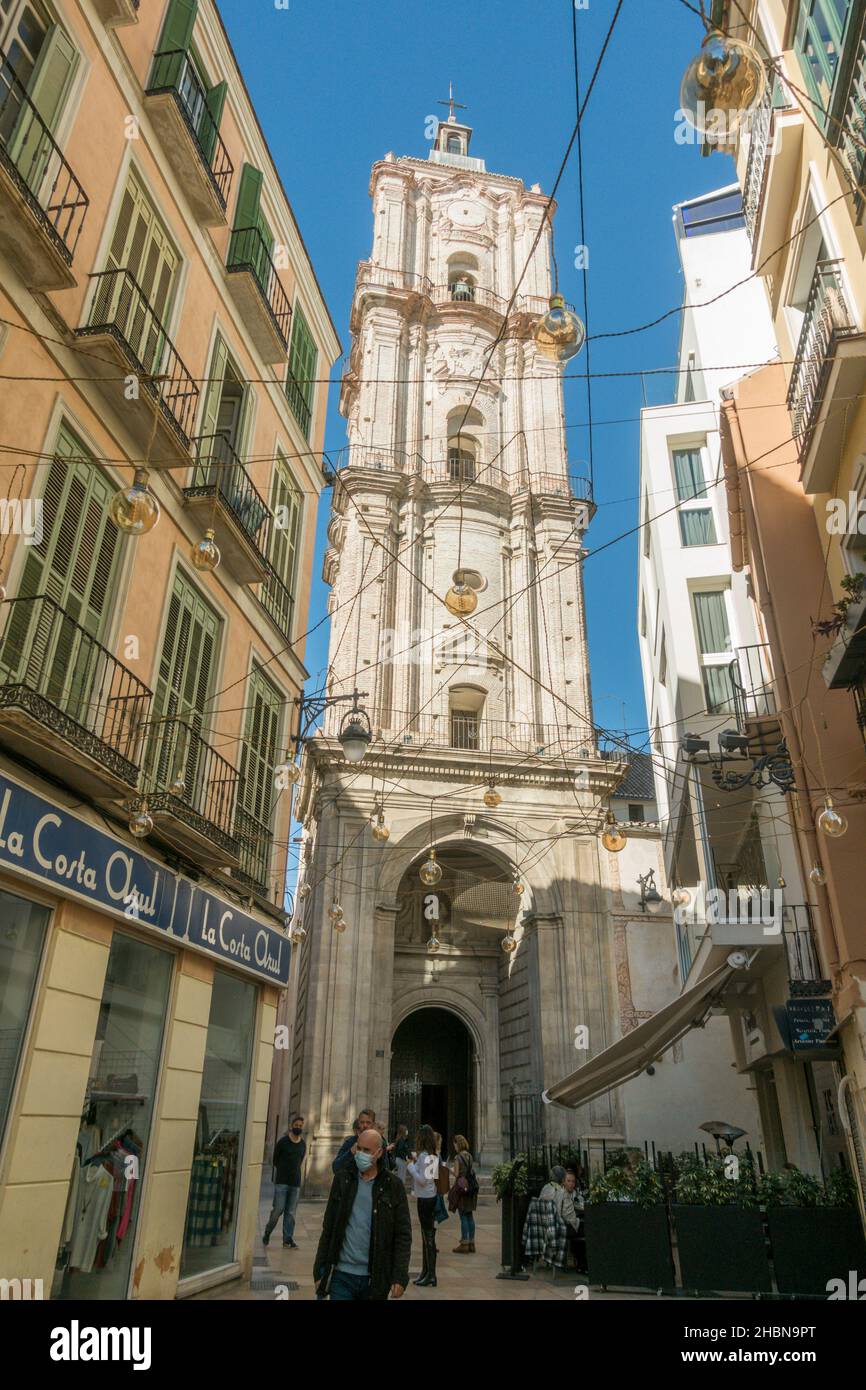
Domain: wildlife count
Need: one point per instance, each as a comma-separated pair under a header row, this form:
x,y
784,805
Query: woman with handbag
x,y
464,1194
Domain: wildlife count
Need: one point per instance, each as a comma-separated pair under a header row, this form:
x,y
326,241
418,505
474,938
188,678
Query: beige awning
x,y
633,1053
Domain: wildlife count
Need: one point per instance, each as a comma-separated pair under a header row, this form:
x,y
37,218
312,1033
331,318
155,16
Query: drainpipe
x,y
795,747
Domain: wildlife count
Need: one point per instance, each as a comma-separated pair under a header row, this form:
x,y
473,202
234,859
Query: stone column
x,y
489,1105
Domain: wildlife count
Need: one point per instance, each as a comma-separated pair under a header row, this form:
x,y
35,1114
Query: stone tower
x,y
444,474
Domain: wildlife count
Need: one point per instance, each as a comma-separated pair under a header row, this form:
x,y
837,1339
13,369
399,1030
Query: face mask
x,y
297,1129
363,1161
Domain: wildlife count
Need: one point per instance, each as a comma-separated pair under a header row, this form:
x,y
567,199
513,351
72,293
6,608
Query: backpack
x,y
471,1180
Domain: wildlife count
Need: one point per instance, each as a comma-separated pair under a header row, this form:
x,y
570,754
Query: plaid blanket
x,y
544,1233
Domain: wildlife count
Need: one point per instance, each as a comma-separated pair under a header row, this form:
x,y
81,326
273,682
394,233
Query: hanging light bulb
x,y
287,773
508,943
141,823
518,888
178,787
831,821
817,875
491,796
560,334
431,871
681,897
341,925
722,84
461,599
335,912
780,882
134,509
206,555
380,830
612,838
433,945
299,932
304,891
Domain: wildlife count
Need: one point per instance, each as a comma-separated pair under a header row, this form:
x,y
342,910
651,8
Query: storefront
x,y
137,1020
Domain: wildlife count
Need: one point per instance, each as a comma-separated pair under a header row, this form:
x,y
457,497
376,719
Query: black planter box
x,y
722,1249
812,1245
514,1209
628,1246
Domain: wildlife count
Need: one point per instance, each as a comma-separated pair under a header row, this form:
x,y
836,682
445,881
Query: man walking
x,y
289,1155
366,1239
366,1120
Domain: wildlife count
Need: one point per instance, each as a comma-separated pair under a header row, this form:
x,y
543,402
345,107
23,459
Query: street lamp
x,y
355,734
650,897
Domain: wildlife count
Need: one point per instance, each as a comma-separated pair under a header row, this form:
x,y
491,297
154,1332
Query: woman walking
x,y
466,1183
401,1152
424,1170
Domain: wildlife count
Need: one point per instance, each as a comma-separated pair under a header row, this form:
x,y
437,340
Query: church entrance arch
x,y
432,1076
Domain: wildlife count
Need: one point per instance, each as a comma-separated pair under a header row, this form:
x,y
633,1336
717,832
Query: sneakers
x,y
266,1239
289,1245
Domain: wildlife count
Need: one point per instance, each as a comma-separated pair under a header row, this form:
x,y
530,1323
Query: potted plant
x,y
628,1242
510,1183
720,1233
815,1230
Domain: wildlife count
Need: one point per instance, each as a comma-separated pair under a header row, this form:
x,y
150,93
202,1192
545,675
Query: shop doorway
x,y
432,1069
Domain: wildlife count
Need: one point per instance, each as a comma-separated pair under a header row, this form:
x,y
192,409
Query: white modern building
x,y
720,761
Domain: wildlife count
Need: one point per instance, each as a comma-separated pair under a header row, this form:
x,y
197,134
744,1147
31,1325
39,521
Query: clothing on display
x,y
212,1189
101,1195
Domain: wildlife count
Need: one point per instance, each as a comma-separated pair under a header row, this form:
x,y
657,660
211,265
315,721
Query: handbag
x,y
443,1180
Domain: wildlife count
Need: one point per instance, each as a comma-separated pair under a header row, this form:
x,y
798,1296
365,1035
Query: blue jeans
x,y
286,1201
349,1288
467,1225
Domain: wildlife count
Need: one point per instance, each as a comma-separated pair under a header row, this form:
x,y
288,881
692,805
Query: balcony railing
x,y
177,754
173,72
827,318
59,673
249,251
852,127
799,933
460,293
121,309
756,165
859,693
33,159
256,841
299,404
469,731
752,684
220,474
456,291
277,602
465,472
382,277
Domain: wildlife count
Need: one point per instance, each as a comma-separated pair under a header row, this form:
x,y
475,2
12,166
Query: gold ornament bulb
x,y
559,334
206,555
431,871
831,821
721,86
134,509
461,599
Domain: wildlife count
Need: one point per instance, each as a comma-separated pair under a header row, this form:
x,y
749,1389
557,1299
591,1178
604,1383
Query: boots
x,y
470,1248
423,1276
428,1274
461,1249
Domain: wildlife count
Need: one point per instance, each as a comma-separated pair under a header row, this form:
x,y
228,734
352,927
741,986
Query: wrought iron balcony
x,y
190,791
258,293
462,294
465,472
114,13
224,497
756,166
471,732
178,107
66,702
825,367
850,135
130,335
277,602
800,944
42,203
256,841
299,405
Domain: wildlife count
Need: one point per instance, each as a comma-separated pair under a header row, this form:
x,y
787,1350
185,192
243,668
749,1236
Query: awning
x,y
633,1053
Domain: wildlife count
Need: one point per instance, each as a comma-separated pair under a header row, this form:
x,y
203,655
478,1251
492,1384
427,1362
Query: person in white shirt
x,y
423,1170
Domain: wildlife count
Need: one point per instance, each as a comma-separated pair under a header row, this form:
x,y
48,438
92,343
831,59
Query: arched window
x,y
465,708
455,144
464,451
462,276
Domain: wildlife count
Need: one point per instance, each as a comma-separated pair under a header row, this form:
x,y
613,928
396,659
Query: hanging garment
x,y
86,1145
97,1189
204,1214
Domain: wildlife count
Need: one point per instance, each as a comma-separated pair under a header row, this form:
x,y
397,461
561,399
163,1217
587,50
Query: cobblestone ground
x,y
471,1277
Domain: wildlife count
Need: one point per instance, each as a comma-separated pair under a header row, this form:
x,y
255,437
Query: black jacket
x,y
390,1237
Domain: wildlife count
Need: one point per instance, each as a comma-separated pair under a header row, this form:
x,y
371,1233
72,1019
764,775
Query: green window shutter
x,y
260,750
29,147
209,125
249,197
300,378
287,504
177,28
210,414
188,656
251,242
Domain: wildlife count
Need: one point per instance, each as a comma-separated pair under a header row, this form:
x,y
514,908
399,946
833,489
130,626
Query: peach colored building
x,y
160,312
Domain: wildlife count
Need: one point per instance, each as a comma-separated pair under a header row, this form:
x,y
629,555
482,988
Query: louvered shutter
x,y
300,382
141,245
209,124
284,544
247,247
182,689
209,427
256,793
29,146
176,37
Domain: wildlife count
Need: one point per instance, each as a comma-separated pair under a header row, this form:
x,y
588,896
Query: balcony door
x,y
136,292
37,61
256,790
63,598
183,688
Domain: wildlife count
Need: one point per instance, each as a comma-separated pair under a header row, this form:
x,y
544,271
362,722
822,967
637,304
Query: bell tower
x,y
457,476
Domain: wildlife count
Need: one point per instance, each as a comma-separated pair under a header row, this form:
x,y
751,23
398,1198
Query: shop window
x,y
215,1183
22,936
94,1260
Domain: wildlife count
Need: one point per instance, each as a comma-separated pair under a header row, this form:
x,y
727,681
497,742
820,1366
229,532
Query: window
x,y
635,811
714,645
465,729
39,59
722,212
225,411
300,378
252,241
818,41
135,292
21,943
256,790
183,686
455,144
697,526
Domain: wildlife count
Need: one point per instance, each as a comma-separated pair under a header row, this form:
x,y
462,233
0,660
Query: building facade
x,y
161,322
483,743
793,455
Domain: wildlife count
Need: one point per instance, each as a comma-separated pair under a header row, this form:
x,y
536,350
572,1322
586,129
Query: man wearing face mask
x,y
366,1237
289,1154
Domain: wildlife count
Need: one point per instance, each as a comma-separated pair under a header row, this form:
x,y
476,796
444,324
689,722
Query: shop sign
x,y
48,843
812,1022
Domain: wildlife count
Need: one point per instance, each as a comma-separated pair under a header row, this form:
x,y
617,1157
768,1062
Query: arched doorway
x,y
432,1071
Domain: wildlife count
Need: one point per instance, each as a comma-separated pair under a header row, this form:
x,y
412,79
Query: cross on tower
x,y
451,103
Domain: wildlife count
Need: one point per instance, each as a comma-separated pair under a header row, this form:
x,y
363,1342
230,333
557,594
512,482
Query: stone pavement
x,y
471,1277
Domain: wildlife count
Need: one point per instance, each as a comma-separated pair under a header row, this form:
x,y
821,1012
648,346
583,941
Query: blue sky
x,y
338,83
